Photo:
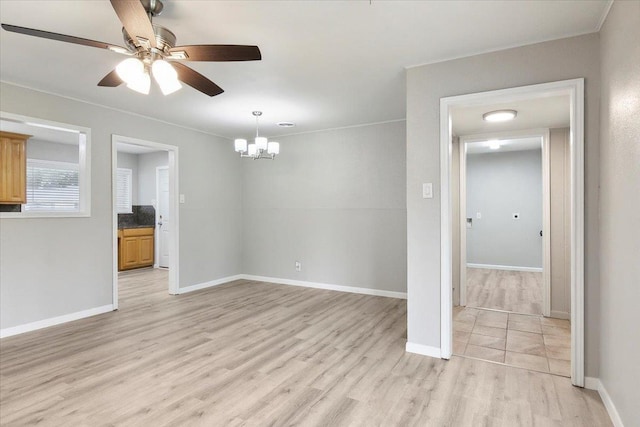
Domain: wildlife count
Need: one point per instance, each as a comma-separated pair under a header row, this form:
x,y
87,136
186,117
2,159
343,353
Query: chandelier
x,y
260,149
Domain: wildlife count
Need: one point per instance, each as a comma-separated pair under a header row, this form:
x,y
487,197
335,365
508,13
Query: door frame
x,y
574,88
156,264
174,240
543,134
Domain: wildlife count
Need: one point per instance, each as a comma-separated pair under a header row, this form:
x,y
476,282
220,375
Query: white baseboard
x,y
506,267
327,286
209,284
45,323
424,350
591,383
595,384
560,315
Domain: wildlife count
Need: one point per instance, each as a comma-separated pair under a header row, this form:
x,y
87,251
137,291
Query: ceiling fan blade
x,y
135,20
196,80
111,80
217,52
63,38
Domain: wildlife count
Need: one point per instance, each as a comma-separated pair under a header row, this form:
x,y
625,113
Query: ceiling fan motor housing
x,y
165,39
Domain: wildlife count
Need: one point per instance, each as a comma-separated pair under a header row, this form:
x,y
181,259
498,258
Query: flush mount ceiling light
x,y
500,115
494,144
260,149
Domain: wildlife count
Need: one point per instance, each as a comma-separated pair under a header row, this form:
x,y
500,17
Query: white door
x,y
164,220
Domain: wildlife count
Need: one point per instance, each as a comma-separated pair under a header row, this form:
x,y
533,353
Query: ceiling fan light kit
x,y
261,148
152,50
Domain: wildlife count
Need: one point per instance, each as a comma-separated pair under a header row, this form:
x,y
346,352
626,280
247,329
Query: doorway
x,y
574,91
145,215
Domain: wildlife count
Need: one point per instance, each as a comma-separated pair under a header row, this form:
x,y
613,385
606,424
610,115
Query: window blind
x,y
123,190
52,186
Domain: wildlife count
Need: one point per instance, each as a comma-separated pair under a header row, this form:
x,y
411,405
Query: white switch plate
x,y
182,198
427,190
479,215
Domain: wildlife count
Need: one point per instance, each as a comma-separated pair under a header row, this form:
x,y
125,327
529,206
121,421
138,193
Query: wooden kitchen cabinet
x,y
13,168
136,248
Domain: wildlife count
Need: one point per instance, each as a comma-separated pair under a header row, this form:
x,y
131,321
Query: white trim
x,y
505,267
174,210
446,234
546,223
209,284
575,89
52,321
327,286
425,350
560,315
462,220
592,383
603,17
84,167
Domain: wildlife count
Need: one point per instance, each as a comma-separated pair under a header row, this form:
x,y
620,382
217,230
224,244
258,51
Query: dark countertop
x,y
124,227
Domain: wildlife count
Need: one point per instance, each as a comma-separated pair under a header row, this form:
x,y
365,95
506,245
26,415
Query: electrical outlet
x,y
298,266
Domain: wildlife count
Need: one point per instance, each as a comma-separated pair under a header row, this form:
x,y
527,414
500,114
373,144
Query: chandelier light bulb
x,y
252,150
261,142
240,145
273,148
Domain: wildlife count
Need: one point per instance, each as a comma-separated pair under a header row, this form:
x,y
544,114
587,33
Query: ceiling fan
x,y
152,50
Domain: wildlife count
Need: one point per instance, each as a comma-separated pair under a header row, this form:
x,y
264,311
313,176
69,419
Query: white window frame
x,y
129,173
84,167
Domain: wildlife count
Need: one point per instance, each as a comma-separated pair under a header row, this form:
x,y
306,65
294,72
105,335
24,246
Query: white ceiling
x,y
41,132
547,112
325,64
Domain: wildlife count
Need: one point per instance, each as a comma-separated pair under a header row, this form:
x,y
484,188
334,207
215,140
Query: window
x,y
52,186
123,190
58,168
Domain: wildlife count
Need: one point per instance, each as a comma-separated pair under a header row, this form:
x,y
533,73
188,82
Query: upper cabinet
x,y
13,168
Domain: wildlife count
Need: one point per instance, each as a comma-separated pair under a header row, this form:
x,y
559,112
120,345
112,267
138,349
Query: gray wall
x,y
333,200
620,209
498,185
147,164
543,62
130,161
560,195
54,266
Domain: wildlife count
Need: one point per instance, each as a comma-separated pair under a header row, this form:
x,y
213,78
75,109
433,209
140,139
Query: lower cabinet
x,y
135,248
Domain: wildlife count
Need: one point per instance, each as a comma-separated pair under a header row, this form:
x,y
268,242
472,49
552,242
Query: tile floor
x,y
526,341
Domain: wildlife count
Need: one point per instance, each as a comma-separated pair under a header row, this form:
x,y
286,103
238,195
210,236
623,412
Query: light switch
x,y
182,198
427,190
479,215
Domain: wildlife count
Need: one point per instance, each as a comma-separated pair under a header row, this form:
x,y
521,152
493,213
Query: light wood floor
x,y
257,354
517,291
